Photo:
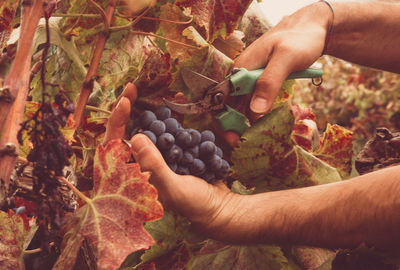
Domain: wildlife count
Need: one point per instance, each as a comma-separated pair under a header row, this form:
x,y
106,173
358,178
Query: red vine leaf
x,y
14,230
337,149
268,159
254,23
217,255
312,257
154,78
112,221
305,132
8,8
219,18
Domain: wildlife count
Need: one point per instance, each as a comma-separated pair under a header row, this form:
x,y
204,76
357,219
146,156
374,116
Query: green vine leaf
x,y
14,239
218,18
167,232
268,159
111,221
217,255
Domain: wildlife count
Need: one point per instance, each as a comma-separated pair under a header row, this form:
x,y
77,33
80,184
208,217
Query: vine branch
x,y
94,16
87,86
161,37
17,83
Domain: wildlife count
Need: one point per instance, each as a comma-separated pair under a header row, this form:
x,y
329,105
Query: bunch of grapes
x,y
49,155
186,151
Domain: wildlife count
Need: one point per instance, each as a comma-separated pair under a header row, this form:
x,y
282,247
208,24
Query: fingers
x,y
269,83
129,92
255,56
115,128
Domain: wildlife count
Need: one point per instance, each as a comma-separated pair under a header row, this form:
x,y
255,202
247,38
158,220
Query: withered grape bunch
x,y
186,150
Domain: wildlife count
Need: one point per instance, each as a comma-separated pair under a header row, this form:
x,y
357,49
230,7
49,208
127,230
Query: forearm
x,y
344,214
366,33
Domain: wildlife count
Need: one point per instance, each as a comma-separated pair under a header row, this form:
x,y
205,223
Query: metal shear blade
x,y
212,94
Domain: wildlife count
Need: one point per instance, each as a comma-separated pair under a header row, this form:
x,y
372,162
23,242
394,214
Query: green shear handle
x,y
244,82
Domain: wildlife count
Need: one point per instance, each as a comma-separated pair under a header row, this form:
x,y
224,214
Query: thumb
x,y
148,157
269,84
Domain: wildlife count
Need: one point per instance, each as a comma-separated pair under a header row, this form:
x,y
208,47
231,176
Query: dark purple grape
x,y
146,118
219,152
157,127
163,112
174,154
194,151
207,135
173,166
150,135
207,149
172,125
183,138
214,163
224,170
208,176
196,137
165,141
198,167
187,158
182,170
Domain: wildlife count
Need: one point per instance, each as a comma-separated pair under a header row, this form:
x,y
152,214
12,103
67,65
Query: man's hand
x,y
209,207
294,44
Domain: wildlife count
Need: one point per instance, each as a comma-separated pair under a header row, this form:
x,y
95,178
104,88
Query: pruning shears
x,y
214,94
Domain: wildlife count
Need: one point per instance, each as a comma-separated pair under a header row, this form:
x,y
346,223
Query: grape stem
x,y
75,190
36,250
96,109
167,39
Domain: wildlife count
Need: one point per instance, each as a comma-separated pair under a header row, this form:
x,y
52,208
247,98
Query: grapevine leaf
x,y
254,23
217,255
305,131
312,257
267,158
14,231
85,29
303,135
168,233
336,149
232,46
154,78
112,220
57,38
8,8
204,59
219,18
122,59
379,152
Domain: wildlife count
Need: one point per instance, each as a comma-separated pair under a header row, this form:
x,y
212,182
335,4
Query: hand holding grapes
x,y
208,206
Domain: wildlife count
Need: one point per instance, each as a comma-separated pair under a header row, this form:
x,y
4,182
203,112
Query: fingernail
x,y
138,142
259,104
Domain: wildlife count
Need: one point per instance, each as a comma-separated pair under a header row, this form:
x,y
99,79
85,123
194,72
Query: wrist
x,y
329,25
